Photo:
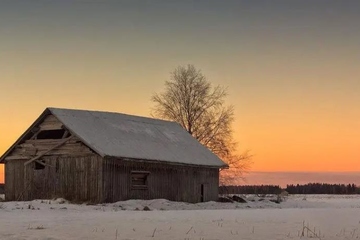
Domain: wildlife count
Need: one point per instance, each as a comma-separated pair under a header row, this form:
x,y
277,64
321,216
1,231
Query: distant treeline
x,y
250,189
323,188
310,188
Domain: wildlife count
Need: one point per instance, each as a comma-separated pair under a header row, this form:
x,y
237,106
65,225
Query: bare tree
x,y
197,106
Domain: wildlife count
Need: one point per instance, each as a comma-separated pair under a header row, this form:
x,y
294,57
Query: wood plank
x,y
44,141
53,126
51,118
66,146
39,156
17,158
65,133
32,148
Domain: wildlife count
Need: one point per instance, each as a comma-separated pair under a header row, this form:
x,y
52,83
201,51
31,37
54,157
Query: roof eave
x,y
164,162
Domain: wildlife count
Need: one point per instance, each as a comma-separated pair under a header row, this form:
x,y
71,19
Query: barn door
x,y
202,193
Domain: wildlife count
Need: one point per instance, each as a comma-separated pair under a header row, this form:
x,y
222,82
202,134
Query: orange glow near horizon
x,y
276,143
292,77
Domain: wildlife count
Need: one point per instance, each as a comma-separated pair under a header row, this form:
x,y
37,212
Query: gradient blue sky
x,y
292,68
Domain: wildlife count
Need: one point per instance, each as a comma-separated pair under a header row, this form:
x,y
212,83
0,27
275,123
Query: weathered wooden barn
x,y
91,156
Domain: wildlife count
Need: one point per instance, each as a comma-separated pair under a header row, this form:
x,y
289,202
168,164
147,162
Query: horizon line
x,y
302,172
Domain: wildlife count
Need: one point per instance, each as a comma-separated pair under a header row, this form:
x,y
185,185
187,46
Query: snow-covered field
x,y
314,216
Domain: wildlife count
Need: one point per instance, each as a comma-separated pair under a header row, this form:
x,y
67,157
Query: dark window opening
x,y
139,179
39,166
51,134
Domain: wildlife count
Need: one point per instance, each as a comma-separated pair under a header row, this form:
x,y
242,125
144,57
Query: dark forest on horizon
x,y
309,188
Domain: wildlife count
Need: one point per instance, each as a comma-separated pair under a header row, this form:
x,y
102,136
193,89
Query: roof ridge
x,y
112,134
117,113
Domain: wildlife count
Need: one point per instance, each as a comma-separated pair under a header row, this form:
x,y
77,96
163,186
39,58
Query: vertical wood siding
x,y
77,179
92,179
14,180
176,183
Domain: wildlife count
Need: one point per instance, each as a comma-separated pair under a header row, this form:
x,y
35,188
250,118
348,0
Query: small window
x,y
39,166
139,179
51,134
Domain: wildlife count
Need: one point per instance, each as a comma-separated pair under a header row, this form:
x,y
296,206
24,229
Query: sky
x,y
291,68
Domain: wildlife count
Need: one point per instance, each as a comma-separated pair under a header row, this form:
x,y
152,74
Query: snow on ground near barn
x,y
328,216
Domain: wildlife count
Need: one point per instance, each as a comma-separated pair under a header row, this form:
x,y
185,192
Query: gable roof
x,y
126,136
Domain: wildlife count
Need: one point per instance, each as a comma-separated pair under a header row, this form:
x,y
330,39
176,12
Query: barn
x,y
96,157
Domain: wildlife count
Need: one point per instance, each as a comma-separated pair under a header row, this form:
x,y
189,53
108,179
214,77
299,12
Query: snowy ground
x,y
316,217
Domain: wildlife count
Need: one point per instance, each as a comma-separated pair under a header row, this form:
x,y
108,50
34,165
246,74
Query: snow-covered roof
x,y
125,136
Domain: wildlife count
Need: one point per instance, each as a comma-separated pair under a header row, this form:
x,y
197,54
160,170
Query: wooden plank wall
x,y
78,179
72,169
50,123
33,148
14,180
92,179
176,183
